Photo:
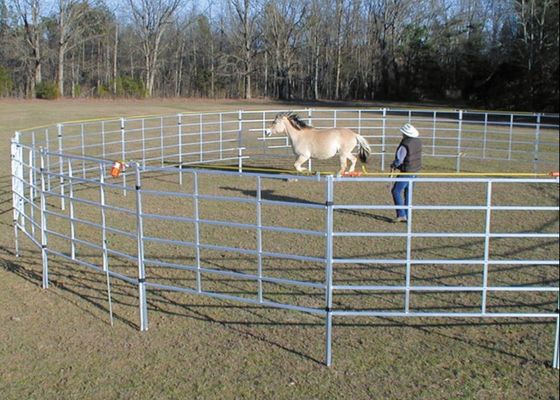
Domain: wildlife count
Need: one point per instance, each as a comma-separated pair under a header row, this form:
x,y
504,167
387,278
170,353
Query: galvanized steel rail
x,y
48,167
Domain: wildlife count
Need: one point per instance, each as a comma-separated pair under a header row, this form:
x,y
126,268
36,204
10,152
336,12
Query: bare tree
x,y
71,24
29,12
151,19
245,35
285,22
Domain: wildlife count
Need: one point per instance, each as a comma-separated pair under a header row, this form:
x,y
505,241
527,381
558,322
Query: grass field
x,y
57,343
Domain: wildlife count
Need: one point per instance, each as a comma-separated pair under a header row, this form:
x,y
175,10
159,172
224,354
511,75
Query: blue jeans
x,y
398,188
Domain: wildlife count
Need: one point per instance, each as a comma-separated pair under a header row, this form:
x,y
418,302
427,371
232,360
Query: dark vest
x,y
413,160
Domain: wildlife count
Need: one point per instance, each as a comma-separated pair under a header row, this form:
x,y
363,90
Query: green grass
x,y
57,343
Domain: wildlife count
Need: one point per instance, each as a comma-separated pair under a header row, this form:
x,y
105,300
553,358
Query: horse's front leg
x,y
353,160
300,160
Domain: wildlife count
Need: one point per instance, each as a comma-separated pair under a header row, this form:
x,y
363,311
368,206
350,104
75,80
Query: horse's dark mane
x,y
295,120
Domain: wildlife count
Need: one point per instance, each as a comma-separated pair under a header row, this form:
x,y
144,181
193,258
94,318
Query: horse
x,y
320,143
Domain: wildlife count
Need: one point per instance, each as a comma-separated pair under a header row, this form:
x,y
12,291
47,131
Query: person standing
x,y
408,158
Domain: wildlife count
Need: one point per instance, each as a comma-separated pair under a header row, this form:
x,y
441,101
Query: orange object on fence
x,y
117,168
554,174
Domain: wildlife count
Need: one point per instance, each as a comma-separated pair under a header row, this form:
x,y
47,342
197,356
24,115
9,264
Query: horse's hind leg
x,y
300,160
353,160
343,162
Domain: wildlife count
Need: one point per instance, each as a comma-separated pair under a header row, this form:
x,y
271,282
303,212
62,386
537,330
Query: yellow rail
x,y
384,174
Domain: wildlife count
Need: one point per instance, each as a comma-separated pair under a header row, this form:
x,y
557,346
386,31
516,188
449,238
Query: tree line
x,y
486,53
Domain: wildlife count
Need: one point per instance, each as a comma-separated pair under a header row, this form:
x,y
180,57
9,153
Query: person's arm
x,y
399,157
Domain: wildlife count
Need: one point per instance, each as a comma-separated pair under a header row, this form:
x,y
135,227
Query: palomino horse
x,y
309,142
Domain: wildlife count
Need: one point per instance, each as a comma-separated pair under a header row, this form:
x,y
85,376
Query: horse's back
x,y
325,143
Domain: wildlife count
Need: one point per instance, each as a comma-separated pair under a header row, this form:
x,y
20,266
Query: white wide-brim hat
x,y
409,130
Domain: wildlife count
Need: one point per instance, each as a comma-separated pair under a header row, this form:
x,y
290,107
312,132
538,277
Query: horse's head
x,y
278,125
281,122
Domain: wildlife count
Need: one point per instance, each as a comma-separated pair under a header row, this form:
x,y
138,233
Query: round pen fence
x,y
207,205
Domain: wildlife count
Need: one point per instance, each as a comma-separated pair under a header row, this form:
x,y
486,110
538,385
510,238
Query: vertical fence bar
x,y
197,230
328,267
48,159
61,165
16,162
309,119
240,159
103,217
459,135
123,154
537,143
556,355
31,177
487,231
180,144
34,180
20,187
240,129
143,139
485,136
140,251
222,135
359,122
201,133
434,122
44,239
103,140
259,239
510,136
161,140
408,245
82,141
71,203
104,240
383,141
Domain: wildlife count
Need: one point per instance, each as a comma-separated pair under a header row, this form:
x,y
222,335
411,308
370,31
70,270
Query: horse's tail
x,y
364,150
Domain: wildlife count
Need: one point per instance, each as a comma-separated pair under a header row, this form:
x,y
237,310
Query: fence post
x,y
486,245
201,136
197,230
60,165
161,151
239,128
123,154
180,144
459,133
383,134
32,188
48,159
140,252
104,240
556,355
16,165
83,150
434,122
408,244
259,238
328,267
71,201
537,143
510,135
44,241
310,119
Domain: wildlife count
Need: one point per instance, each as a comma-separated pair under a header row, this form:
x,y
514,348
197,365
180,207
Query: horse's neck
x,y
292,132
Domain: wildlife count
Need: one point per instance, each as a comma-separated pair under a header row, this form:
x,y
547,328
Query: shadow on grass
x,y
77,285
